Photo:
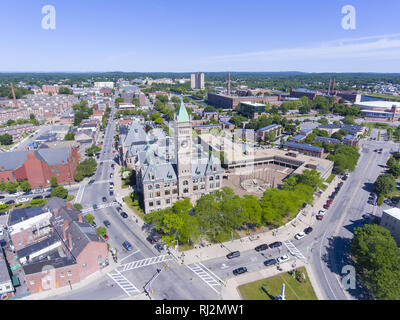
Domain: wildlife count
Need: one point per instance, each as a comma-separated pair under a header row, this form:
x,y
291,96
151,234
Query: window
x,y
166,184
202,186
211,178
167,201
175,191
195,188
217,177
158,203
217,185
69,273
157,186
186,190
151,194
151,204
158,193
62,274
150,187
211,185
185,182
167,192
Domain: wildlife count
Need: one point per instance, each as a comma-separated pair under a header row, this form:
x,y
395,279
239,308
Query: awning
x,y
15,281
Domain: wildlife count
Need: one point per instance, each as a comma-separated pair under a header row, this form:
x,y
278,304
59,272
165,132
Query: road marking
x,y
130,255
101,206
206,275
123,283
144,263
323,271
80,193
293,250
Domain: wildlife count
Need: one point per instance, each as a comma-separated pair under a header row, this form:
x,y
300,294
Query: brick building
x,y
231,102
71,252
38,166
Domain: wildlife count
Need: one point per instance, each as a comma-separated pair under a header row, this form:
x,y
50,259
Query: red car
x,y
319,217
327,206
105,237
329,201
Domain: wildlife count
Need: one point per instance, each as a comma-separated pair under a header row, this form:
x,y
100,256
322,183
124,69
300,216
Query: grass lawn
x,y
294,290
185,247
136,209
330,178
124,185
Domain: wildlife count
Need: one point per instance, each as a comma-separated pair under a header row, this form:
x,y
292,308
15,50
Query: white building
x,y
391,221
6,285
104,84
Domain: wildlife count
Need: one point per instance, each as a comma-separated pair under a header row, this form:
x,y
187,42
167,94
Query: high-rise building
x,y
197,81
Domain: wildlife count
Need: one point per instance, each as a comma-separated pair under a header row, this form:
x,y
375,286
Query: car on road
x,y
111,175
261,247
106,223
319,216
95,207
105,237
111,193
270,262
233,254
159,247
119,209
91,181
37,197
151,240
300,235
104,199
47,196
283,258
238,271
308,230
94,225
370,201
124,215
275,244
326,206
127,246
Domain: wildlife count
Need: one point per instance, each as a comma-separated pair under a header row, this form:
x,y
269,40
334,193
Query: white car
x,y
322,212
1,232
300,235
283,258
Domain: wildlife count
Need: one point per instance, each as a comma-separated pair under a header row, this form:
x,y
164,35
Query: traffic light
x,y
166,266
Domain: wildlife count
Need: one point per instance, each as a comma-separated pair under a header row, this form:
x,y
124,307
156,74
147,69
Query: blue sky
x,y
183,36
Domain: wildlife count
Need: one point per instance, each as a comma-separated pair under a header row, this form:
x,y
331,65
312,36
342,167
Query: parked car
x,y
300,235
119,209
238,271
233,254
37,197
95,207
326,206
107,223
270,262
124,215
127,246
151,240
91,181
104,199
261,247
275,244
283,258
111,193
105,237
308,230
159,247
319,217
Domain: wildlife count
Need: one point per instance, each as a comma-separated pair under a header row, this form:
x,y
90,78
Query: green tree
x,y
6,139
102,231
53,182
59,192
25,185
377,261
78,206
70,136
385,183
11,187
89,218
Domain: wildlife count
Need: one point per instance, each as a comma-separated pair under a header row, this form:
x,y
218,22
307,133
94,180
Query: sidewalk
x,y
66,289
282,234
231,292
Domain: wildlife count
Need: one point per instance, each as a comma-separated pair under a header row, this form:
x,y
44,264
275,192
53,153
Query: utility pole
x,y
150,291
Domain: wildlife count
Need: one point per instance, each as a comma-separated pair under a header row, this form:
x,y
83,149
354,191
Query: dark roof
x,y
4,273
268,127
327,140
18,215
52,259
35,247
300,146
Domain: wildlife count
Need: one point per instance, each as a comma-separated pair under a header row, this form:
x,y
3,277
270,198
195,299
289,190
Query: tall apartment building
x,y
197,81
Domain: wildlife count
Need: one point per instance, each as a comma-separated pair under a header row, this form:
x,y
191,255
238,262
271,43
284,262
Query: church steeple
x,y
183,115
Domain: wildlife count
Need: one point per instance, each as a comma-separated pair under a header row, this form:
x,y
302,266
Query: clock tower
x,y
183,152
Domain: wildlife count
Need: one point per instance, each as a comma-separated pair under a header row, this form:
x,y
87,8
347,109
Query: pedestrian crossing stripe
x,y
123,283
210,278
143,263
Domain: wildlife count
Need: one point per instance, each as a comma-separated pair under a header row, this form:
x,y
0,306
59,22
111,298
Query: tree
x,y
6,139
101,231
89,218
65,90
59,192
78,206
348,120
251,210
25,185
377,261
92,150
11,187
53,182
70,136
385,183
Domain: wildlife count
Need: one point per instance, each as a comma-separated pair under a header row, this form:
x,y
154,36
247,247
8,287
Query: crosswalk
x,y
293,250
205,274
123,283
101,206
144,262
